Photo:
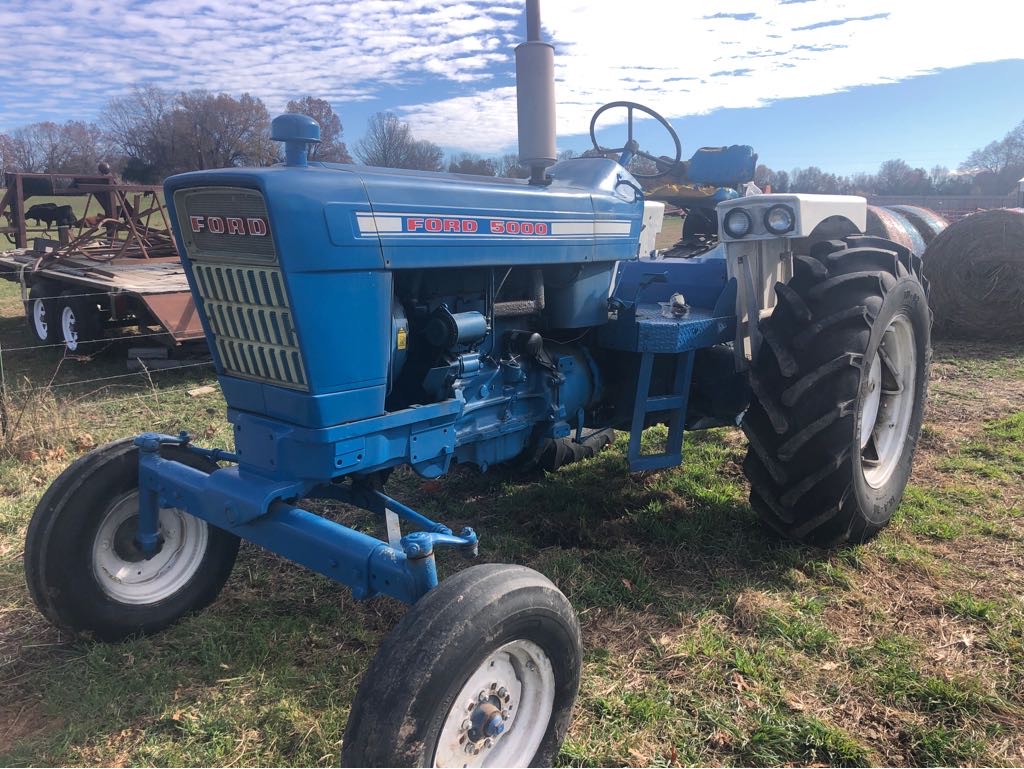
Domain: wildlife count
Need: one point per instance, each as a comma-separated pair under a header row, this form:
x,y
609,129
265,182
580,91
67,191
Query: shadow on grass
x,y
281,653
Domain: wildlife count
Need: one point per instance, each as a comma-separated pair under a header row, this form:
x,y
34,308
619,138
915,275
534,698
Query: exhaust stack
x,y
535,96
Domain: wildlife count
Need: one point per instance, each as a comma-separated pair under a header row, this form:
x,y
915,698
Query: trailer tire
x,y
838,392
80,325
40,312
494,641
68,566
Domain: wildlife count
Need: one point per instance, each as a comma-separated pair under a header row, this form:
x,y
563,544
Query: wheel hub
x,y
70,328
126,545
887,402
500,716
39,318
128,575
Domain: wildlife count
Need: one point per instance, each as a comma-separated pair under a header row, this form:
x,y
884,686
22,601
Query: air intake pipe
x,y
535,96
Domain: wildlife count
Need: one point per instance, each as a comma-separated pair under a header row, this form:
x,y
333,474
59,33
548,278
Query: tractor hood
x,y
346,217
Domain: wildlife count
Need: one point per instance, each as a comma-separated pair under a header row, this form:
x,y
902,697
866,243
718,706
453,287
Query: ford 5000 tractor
x,y
363,319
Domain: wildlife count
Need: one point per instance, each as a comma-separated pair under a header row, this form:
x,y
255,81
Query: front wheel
x,y
839,388
482,671
83,568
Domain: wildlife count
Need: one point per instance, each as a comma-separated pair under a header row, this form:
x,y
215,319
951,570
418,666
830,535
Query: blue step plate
x,y
644,328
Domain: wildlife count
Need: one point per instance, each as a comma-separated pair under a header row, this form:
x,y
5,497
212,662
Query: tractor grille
x,y
248,312
243,292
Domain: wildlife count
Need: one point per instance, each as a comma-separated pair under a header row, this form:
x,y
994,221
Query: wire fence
x,y
43,397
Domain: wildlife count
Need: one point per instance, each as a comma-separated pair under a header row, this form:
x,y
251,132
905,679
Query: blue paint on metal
x,y
722,166
674,402
341,240
227,500
297,132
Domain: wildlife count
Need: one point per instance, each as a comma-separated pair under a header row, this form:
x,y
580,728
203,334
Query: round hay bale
x,y
884,223
976,270
924,220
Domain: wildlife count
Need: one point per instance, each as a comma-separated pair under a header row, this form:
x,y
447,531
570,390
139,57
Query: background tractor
x,y
363,319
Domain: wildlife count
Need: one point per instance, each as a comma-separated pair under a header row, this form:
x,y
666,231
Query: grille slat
x,y
242,288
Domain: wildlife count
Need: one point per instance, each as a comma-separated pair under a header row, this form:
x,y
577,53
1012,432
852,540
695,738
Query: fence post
x,y
4,419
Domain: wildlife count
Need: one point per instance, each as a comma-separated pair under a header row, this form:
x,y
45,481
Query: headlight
x,y
779,219
737,223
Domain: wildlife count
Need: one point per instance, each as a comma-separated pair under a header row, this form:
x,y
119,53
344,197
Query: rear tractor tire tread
x,y
806,379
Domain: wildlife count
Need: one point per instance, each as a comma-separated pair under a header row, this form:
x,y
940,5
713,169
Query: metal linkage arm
x,y
369,566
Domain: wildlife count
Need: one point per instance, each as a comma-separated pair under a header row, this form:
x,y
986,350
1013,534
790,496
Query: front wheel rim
x,y
39,319
501,714
69,327
887,402
129,578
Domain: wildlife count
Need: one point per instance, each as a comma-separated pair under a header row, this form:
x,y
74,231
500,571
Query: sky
x,y
839,84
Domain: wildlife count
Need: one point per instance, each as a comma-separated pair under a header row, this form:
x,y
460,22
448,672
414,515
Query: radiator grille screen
x,y
242,291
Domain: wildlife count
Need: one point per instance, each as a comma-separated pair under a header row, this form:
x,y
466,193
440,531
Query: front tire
x,y
482,671
839,388
82,567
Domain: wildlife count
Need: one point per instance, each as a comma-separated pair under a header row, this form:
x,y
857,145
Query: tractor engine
x,y
333,295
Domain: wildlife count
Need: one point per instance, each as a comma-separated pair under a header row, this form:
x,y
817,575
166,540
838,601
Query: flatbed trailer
x,y
151,295
113,264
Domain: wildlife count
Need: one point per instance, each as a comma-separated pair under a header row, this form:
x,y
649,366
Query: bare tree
x,y
468,163
508,166
425,156
68,148
389,143
331,148
220,131
159,133
999,164
140,125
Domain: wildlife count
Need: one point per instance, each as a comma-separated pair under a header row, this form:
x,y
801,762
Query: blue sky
x,y
842,84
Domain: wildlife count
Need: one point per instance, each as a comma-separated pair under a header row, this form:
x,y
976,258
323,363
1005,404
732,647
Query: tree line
x,y
991,170
151,133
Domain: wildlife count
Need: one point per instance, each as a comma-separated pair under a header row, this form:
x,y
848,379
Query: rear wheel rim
x,y
513,687
69,328
39,319
887,405
124,575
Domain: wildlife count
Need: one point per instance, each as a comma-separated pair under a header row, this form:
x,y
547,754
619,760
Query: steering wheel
x,y
631,148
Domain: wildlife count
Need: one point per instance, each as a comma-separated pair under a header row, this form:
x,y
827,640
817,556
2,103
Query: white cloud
x,y
681,58
275,49
690,58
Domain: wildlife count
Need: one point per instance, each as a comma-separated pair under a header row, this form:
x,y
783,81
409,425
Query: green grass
x,y
707,640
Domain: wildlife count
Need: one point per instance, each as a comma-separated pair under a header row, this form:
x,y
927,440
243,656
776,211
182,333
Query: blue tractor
x,y
362,319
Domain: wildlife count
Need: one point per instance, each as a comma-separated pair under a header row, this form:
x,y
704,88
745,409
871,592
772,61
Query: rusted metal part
x,y
888,224
176,313
924,220
118,221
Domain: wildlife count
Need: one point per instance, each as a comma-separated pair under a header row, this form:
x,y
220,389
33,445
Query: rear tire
x,y
82,569
79,321
839,388
492,646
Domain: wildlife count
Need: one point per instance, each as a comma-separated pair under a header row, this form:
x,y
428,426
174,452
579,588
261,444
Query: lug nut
x,y
482,697
504,715
467,725
503,693
488,743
